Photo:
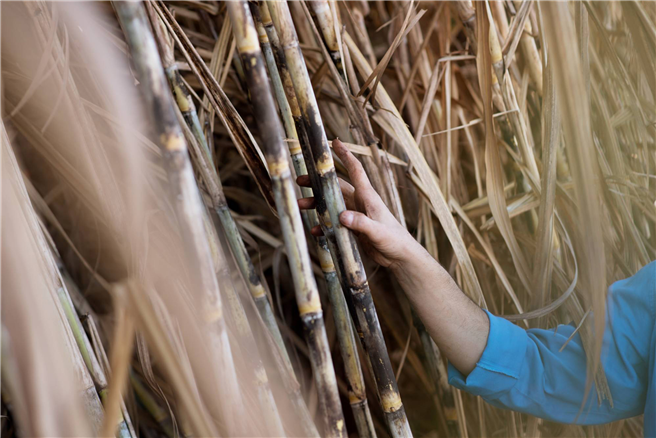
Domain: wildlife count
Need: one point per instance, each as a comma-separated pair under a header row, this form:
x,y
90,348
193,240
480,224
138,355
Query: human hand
x,y
382,237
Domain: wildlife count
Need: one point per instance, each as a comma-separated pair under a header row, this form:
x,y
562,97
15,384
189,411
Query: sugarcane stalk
x,y
343,326
213,183
82,340
125,429
329,199
125,426
437,370
376,166
276,81
221,105
197,138
307,294
328,25
121,354
186,198
438,375
243,331
84,382
259,378
467,15
346,340
145,398
88,341
249,273
297,132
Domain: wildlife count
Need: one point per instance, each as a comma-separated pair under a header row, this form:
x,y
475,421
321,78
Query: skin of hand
x,y
456,324
382,237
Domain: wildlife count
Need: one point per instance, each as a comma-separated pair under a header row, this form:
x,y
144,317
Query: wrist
x,y
410,253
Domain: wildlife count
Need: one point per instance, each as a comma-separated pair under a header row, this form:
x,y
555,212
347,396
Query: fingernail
x,y
346,218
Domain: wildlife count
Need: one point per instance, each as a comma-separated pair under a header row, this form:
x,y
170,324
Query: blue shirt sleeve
x,y
524,370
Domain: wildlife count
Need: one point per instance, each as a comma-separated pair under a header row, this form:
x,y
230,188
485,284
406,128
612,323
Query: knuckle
x,y
360,222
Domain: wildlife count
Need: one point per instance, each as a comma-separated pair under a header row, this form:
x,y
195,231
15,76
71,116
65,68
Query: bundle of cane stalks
x,y
159,279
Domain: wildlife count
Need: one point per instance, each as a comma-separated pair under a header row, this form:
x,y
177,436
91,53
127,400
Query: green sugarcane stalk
x,y
186,198
145,398
329,205
125,429
344,328
276,81
307,294
248,271
88,395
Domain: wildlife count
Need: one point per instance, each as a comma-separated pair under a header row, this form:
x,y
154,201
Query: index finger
x,y
353,166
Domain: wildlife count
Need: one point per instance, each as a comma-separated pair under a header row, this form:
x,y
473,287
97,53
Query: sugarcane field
x,y
328,218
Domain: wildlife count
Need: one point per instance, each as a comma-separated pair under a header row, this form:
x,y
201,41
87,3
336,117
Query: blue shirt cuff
x,y
498,369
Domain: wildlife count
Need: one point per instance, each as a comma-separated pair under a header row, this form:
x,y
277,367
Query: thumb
x,y
359,222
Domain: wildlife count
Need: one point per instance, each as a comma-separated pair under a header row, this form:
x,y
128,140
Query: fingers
x,y
372,202
353,166
303,181
316,231
348,192
360,223
307,203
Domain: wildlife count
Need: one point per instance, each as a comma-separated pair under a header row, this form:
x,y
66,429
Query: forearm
x,y
457,325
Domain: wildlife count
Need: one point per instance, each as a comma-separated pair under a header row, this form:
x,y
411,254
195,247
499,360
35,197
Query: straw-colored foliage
x,y
158,278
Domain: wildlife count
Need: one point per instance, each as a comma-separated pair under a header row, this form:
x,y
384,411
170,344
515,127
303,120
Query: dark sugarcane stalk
x,y
252,279
222,106
185,195
438,375
377,165
297,153
307,294
346,340
344,328
361,130
437,370
329,205
328,25
431,353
